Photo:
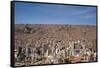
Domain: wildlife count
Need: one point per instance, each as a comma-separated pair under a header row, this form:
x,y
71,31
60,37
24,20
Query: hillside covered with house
x,y
37,44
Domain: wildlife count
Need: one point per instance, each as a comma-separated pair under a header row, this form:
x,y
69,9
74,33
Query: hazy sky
x,y
35,13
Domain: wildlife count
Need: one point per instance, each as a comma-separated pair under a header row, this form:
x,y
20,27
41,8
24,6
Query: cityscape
x,y
54,44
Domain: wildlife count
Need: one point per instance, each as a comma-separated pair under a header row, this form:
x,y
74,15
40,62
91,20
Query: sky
x,y
37,13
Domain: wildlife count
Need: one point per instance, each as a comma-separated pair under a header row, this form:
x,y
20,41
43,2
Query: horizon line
x,y
56,24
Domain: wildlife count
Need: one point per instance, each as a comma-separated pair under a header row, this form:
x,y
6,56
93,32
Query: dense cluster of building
x,y
54,45
53,52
